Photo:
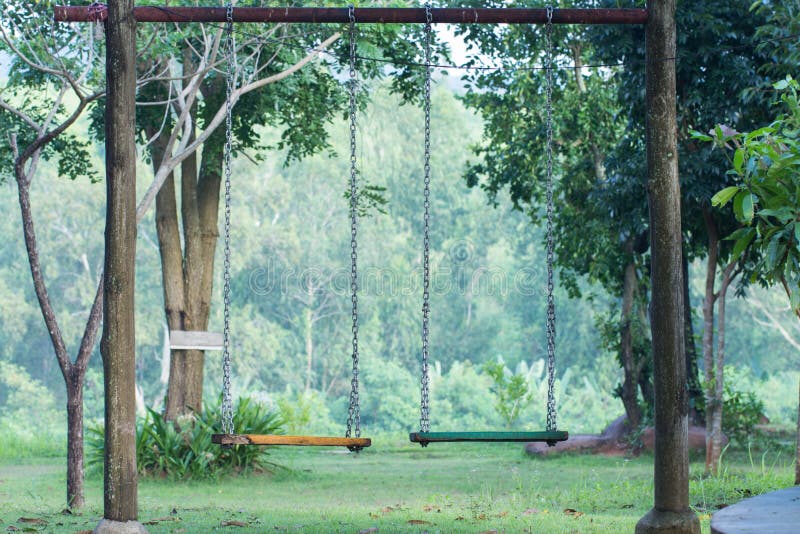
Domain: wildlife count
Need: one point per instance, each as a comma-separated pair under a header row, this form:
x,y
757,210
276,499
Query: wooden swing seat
x,y
423,438
298,441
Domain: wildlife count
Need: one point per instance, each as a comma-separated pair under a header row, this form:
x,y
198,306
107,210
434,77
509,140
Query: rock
x,y
609,442
697,438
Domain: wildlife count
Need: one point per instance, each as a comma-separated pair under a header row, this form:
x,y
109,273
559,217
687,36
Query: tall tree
x,y
277,82
48,60
765,197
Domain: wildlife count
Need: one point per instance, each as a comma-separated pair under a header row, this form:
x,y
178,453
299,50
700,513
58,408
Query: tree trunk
x,y
797,448
719,367
75,494
118,344
73,373
692,369
193,270
713,404
169,244
188,272
670,512
630,380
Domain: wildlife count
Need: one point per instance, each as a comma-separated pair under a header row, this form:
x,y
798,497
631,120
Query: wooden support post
x,y
117,345
671,512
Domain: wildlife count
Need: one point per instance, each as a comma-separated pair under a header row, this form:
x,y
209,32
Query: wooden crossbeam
x,y
368,15
195,340
298,441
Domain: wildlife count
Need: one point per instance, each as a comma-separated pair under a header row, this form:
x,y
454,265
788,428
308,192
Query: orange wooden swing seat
x,y
301,441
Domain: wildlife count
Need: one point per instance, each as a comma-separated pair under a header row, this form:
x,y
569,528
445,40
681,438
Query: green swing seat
x,y
551,438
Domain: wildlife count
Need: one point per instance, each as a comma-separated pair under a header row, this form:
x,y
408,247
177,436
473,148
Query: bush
x,y
184,449
741,412
512,391
461,398
306,412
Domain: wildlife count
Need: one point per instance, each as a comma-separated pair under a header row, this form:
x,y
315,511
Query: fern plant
x,y
183,449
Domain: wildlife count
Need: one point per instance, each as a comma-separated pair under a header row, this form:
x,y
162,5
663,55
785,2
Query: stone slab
x,y
777,512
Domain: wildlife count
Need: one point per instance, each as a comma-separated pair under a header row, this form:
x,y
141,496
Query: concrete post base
x,y
665,522
106,526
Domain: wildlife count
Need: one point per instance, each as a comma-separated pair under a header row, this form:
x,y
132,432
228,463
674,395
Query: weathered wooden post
x,y
118,346
671,512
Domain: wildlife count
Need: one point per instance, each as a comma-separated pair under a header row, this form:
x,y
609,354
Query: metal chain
x,y
354,410
551,308
424,420
227,404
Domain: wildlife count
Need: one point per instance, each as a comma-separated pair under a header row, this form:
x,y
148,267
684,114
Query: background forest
x,y
290,314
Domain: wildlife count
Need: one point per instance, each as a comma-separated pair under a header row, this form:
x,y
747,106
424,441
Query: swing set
x,y
671,467
212,341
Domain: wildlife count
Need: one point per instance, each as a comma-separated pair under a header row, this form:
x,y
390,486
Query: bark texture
x,y
713,404
671,512
73,372
692,369
188,271
714,361
118,342
630,367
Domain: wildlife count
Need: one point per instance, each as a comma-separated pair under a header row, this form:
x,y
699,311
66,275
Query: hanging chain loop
x,y
551,309
424,420
230,57
354,410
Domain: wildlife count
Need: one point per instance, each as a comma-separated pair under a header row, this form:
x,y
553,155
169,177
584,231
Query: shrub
x,y
512,391
183,449
462,397
306,412
741,412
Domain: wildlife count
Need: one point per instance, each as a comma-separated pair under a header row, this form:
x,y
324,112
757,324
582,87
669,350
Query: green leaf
x,y
738,160
724,196
781,85
742,243
775,251
748,207
700,136
797,234
743,207
783,214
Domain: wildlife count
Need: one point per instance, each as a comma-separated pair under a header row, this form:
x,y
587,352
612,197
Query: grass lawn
x,y
444,488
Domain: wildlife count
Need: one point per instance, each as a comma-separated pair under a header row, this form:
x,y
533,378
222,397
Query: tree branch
x,y
170,165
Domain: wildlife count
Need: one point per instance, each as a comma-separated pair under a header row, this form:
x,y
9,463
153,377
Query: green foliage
x,y
183,449
390,396
741,412
462,398
766,198
306,413
53,52
24,401
511,391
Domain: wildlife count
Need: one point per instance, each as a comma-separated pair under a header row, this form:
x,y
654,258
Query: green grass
x,y
444,488
13,445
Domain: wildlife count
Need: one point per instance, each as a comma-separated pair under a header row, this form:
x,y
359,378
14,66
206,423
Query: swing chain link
x,y
227,403
354,410
424,423
551,310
